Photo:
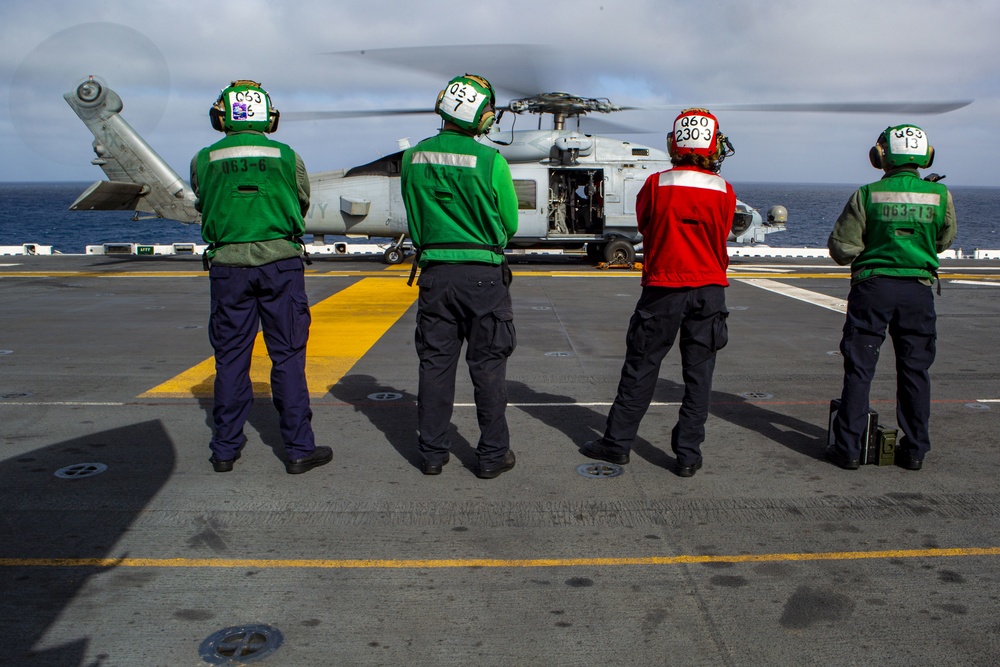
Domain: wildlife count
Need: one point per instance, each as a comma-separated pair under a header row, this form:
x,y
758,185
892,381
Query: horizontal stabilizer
x,y
112,196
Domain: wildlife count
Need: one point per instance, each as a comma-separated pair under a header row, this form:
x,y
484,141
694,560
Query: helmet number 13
x,y
909,138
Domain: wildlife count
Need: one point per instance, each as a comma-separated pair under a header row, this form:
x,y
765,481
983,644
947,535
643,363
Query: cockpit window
x,y
384,166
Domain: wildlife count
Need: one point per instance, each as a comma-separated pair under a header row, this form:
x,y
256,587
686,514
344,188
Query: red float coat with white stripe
x,y
685,215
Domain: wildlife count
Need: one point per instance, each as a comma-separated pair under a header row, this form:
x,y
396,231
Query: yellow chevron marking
x,y
344,327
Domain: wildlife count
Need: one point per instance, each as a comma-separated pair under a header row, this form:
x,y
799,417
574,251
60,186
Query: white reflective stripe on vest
x,y
244,151
693,179
445,159
928,198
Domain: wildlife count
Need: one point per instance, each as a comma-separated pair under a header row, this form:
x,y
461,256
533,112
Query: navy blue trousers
x,y
699,315
905,307
463,303
245,299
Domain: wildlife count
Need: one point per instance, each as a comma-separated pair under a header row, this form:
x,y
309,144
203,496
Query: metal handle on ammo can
x,y
870,439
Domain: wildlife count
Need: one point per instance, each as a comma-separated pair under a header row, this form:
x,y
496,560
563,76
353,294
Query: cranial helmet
x,y
696,131
469,102
244,105
901,145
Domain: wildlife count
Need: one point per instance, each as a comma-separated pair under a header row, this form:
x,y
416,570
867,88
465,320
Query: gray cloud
x,y
637,52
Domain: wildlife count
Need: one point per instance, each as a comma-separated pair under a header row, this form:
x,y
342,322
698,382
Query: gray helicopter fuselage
x,y
574,190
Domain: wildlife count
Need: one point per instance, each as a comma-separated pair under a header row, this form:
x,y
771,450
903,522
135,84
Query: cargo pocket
x,y
711,333
720,332
301,319
504,335
641,329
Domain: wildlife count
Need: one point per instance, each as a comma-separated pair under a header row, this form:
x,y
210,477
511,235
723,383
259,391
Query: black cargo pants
x,y
463,303
904,307
699,315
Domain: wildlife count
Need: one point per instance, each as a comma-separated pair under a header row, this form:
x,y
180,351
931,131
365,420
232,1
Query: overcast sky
x,y
168,61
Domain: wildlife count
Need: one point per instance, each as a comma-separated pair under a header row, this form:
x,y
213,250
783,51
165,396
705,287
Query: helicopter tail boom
x,y
139,179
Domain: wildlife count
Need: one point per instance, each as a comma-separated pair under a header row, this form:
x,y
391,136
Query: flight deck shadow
x,y
578,422
799,436
397,419
47,517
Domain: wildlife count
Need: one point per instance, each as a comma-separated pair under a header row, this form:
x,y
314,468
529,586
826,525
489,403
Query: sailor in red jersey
x,y
685,215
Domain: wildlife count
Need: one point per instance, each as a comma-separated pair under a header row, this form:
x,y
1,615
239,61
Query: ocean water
x,y
813,210
39,213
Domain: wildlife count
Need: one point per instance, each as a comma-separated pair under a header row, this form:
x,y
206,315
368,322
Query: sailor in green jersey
x,y
253,193
891,232
461,208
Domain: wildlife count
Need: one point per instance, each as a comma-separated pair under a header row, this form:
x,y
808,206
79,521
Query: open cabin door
x,y
576,202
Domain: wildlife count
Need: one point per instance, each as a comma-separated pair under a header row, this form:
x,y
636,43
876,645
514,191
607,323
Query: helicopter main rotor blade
x,y
925,108
512,67
929,108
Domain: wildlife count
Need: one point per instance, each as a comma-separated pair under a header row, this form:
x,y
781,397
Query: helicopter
x,y
575,190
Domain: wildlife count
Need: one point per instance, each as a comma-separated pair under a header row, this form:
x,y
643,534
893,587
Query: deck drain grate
x,y
599,470
81,470
558,354
240,645
977,406
756,395
385,396
14,394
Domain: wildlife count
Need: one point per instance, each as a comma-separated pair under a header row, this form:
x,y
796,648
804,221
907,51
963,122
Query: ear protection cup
x,y
875,156
215,116
486,121
723,147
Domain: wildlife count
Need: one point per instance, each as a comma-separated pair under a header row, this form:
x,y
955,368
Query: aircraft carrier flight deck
x,y
122,547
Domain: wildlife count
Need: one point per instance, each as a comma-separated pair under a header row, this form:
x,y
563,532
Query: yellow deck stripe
x,y
492,562
344,327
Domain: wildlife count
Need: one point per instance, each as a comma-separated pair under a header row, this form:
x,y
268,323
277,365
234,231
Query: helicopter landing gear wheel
x,y
619,251
393,255
595,252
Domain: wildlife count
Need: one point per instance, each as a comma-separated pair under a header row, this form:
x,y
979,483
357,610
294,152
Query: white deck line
x,y
980,283
822,300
